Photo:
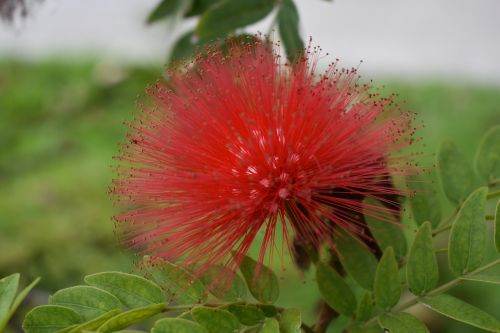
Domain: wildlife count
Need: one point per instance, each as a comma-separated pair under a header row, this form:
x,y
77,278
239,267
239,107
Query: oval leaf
x,y
290,321
199,6
401,323
132,290
459,310
128,318
261,280
335,290
247,314
49,318
288,25
357,260
165,9
89,302
457,178
425,203
179,284
17,301
228,15
270,325
467,247
422,269
365,307
386,232
236,290
387,289
8,290
94,324
215,320
487,160
177,325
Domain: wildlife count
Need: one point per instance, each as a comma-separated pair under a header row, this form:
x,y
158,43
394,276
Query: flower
x,y
238,142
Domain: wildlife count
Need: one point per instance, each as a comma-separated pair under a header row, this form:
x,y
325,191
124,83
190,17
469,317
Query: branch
x,y
439,290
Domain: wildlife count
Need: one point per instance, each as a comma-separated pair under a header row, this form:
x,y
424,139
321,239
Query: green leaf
x,y
497,227
261,280
495,279
270,325
386,232
372,329
89,302
425,204
357,260
179,284
290,321
199,6
422,269
132,290
17,301
8,289
487,160
335,290
387,289
467,246
165,9
128,318
457,178
269,310
184,47
49,318
247,314
228,15
365,307
94,324
177,325
459,310
288,25
401,323
236,290
215,320
68,329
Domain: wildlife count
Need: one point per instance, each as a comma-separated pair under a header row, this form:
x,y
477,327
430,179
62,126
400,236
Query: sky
x,y
438,39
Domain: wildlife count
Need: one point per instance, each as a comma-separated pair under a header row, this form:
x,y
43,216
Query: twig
x,y
441,289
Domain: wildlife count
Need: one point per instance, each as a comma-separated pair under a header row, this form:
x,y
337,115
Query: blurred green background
x,y
60,125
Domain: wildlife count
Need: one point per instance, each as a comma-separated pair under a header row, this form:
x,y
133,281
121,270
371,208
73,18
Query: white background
x,y
440,39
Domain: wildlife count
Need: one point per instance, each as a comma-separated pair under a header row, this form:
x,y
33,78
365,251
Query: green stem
x,y
446,223
439,290
441,229
492,195
251,328
490,218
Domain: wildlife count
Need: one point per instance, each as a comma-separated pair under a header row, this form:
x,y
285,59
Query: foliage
x,y
223,21
10,299
114,301
73,114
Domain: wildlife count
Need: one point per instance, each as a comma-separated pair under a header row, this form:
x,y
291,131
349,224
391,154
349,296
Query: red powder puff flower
x,y
238,142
